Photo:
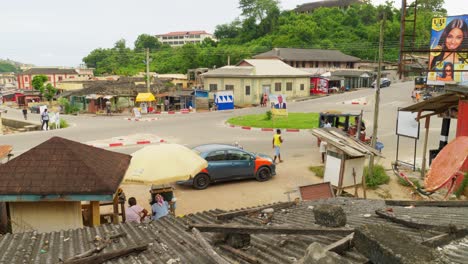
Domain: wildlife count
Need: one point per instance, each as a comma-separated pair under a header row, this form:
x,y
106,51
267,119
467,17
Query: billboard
x,y
448,57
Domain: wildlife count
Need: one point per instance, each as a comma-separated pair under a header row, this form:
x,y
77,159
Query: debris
x,y
237,240
409,207
268,211
329,215
310,207
172,261
66,239
43,251
317,254
367,215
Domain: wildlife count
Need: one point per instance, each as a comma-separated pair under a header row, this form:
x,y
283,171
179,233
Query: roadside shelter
x,y
45,186
345,158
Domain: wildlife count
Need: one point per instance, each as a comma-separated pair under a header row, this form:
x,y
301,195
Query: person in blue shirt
x,y
159,207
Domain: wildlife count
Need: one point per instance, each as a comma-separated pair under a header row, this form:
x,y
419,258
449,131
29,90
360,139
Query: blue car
x,y
227,163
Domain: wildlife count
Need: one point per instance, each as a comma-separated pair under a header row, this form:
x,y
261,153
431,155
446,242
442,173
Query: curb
x,y
121,144
358,101
142,119
290,130
183,111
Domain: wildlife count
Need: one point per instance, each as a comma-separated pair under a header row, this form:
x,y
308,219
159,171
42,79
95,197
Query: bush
x,y
67,107
63,124
462,187
268,115
379,176
318,170
403,182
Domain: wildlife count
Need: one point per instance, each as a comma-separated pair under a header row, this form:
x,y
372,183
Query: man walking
x,y
45,119
277,140
25,113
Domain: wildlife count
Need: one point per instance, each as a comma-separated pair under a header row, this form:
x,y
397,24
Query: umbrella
x,y
145,97
163,163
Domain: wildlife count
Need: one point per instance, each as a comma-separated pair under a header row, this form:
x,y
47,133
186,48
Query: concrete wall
x,y
45,216
17,123
256,87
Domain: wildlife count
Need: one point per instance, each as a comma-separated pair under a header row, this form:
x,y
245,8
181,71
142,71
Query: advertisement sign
x,y
448,59
407,125
278,104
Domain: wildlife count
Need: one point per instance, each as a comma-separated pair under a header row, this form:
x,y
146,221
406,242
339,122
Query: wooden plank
x,y
115,205
242,229
230,215
240,254
207,247
427,203
341,245
95,217
101,258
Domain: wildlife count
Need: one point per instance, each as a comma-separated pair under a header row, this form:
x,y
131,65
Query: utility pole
x,y
147,71
377,97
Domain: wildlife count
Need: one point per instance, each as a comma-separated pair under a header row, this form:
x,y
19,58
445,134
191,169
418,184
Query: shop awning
x,y
437,105
145,97
93,96
108,96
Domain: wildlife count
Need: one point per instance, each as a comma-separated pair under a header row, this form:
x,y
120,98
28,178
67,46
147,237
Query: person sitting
x,y
159,207
135,213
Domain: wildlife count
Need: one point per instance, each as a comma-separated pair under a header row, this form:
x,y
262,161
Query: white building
x,y
180,38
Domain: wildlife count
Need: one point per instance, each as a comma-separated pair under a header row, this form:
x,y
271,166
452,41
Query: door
x,y
241,163
217,164
266,89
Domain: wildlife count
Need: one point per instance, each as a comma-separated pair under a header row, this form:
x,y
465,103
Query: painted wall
x,y
45,216
256,87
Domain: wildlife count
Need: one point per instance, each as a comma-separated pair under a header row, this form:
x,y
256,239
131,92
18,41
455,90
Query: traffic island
x,y
293,122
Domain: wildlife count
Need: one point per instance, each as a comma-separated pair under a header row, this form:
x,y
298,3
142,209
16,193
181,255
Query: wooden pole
x,y
115,204
377,101
95,217
423,166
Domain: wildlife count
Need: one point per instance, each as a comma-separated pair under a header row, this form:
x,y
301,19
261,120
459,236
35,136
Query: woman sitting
x,y
159,207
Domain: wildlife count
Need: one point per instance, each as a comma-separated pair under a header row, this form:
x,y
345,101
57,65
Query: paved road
x,y
299,149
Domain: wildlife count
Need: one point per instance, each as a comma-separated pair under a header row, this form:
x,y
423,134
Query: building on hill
x,y
54,75
179,38
310,7
8,80
311,58
251,78
44,186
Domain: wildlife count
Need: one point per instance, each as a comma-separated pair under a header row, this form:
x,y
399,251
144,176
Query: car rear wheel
x,y
263,174
201,181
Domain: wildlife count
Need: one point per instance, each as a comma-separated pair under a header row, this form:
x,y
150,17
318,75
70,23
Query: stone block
x,y
387,245
329,215
316,254
236,240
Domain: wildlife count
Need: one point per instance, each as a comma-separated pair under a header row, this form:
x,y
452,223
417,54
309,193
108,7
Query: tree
x,y
48,91
230,30
257,9
145,41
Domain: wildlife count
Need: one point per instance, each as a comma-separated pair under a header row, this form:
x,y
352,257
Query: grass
x,y
403,182
317,170
63,124
294,120
379,177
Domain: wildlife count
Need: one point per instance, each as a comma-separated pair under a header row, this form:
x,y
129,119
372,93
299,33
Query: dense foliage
x,y
7,67
262,26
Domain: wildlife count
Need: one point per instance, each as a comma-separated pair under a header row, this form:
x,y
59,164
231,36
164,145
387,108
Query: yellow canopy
x,y
145,97
165,163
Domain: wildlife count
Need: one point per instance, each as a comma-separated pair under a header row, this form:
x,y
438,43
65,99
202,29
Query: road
x,y
299,150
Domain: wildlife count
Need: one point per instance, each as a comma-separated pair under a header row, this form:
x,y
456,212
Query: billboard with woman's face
x,y
448,59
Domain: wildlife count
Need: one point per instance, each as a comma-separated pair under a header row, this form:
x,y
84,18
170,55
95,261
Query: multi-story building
x,y
180,38
54,75
7,80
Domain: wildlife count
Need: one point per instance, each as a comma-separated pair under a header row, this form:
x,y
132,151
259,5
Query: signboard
x,y
407,125
448,59
224,100
278,104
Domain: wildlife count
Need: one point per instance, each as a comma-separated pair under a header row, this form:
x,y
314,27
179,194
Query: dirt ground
x,y
240,194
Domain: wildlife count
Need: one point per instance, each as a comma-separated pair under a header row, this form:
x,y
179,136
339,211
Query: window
x,y
277,87
213,87
247,90
289,86
25,79
164,37
303,64
316,64
237,155
229,87
60,78
217,155
302,87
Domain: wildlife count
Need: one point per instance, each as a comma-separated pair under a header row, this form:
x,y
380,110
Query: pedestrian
x,y
413,96
265,100
418,96
57,120
262,100
135,213
45,120
323,150
277,140
159,207
327,124
166,104
25,113
108,107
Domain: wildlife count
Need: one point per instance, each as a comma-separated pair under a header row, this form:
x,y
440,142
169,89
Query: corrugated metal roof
x,y
258,68
289,54
36,71
438,104
168,237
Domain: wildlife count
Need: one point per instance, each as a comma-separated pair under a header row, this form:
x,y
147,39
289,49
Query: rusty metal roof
x,y
438,104
168,237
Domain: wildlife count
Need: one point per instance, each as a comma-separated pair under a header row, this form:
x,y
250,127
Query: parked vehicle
x,y
384,82
228,163
35,109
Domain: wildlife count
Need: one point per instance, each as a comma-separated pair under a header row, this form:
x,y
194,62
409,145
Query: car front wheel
x,y
201,181
263,174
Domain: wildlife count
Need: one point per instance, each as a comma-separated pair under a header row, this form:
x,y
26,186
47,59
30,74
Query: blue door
x,y
241,163
217,164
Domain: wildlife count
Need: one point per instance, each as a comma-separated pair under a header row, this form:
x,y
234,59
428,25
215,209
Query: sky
x,y
61,32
